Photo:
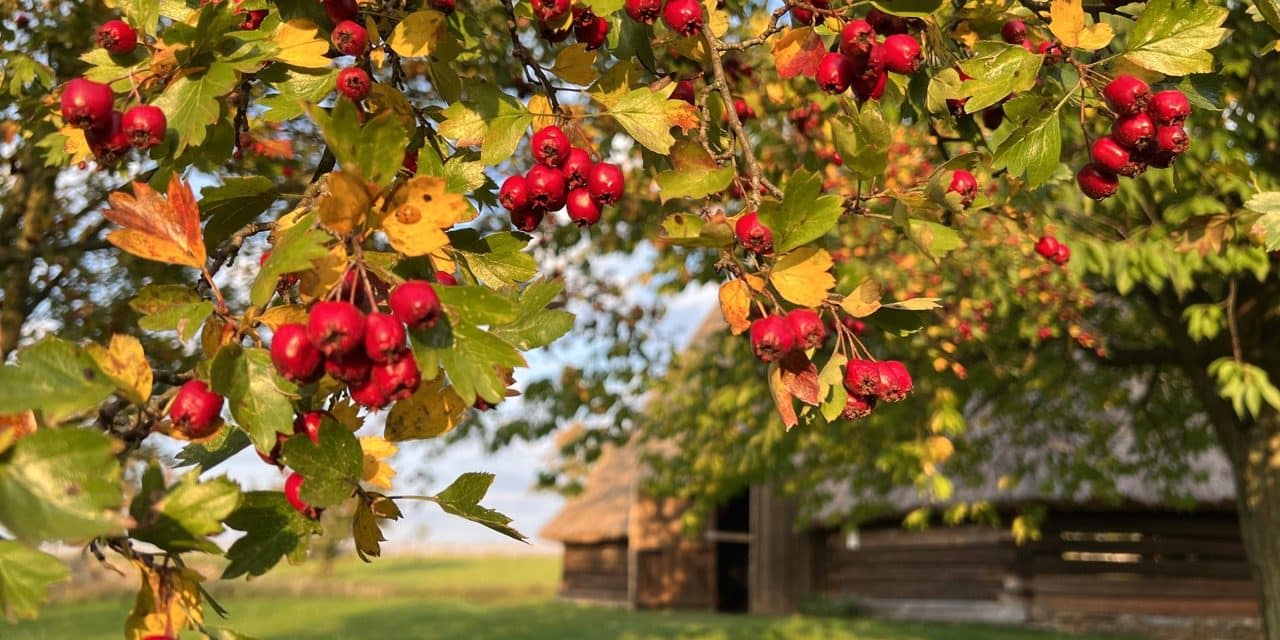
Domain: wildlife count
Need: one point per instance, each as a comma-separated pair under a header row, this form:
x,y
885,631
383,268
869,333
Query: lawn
x,y
466,598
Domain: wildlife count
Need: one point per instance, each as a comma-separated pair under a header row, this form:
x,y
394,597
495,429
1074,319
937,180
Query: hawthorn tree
x,y
350,259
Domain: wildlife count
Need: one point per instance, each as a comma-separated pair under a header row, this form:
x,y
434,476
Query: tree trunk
x,y
1256,459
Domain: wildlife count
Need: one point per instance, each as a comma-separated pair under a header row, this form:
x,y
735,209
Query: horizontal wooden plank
x,y
945,573
967,590
1127,585
939,537
1198,524
609,595
977,555
594,581
595,563
1236,570
1050,605
1151,545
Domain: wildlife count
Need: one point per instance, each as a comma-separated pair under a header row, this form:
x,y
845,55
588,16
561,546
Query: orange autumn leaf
x,y
164,229
797,52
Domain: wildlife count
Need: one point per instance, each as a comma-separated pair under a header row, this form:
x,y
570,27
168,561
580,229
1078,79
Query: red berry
x,y
110,143
293,493
1169,107
273,457
742,110
902,54
445,279
195,410
576,168
1112,157
444,6
1014,31
605,182
772,338
352,367
550,11
340,10
1172,139
870,87
856,38
87,104
117,37
862,378
800,16
368,394
645,11
355,84
1047,246
1159,159
885,23
514,194
294,356
1136,132
1061,255
416,304
252,19
753,235
684,91
963,183
593,33
1127,95
350,38
550,146
546,188
527,219
383,336
399,377
1097,182
144,125
895,382
309,424
807,328
858,327
683,16
582,208
992,116
335,328
858,407
834,74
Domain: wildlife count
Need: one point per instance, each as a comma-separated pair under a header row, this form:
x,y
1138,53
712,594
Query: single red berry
x,y
855,325
551,11
886,24
335,328
294,356
252,19
1127,95
835,72
684,91
801,16
576,168
195,410
1158,159
22,21
368,394
772,338
1097,182
857,407
546,188
1112,157
1044,333
1014,31
895,381
416,304
856,39
550,146
339,10
399,377
352,367
870,87
606,183
807,328
683,17
1061,255
527,219
862,378
444,6
742,110
645,11
383,336
144,125
593,33
87,104
1172,139
902,54
309,424
582,208
445,279
355,84
753,235
963,183
1169,107
110,143
992,116
1136,132
273,457
117,37
293,493
513,195
350,38
1047,246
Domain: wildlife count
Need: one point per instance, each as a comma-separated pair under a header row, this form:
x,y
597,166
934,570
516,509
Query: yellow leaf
x,y
343,202
798,52
326,273
540,108
76,146
939,448
276,317
374,470
1066,21
755,282
125,363
616,83
434,410
164,229
804,277
782,397
168,602
718,21
419,212
384,97
735,304
576,64
347,414
862,301
416,36
301,45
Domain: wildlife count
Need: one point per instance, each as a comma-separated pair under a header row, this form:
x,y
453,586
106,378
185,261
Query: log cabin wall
x,y
595,571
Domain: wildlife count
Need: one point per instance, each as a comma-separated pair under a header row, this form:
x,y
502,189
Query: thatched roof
x,y
601,511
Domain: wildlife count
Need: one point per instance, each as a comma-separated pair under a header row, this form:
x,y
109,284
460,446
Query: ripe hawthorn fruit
x,y
1097,182
416,304
803,16
294,356
144,125
1113,157
335,328
835,72
1136,132
350,368
644,11
87,104
857,407
856,39
1014,31
339,10
550,146
195,410
807,327
1169,107
293,493
772,337
1047,247
582,208
354,83
117,37
1127,95
1172,139
110,143
546,188
309,424
398,377
902,54
964,184
514,194
350,38
753,235
577,166
384,336
369,395
683,17
551,11
605,182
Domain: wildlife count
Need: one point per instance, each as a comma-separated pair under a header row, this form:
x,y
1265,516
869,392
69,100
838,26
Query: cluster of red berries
x,y
1050,249
872,381
1147,132
349,38
367,353
681,16
564,176
586,27
863,61
308,425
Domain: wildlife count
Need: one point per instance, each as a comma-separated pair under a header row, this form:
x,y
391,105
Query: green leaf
x,y
171,307
181,517
803,215
1270,12
642,113
696,182
299,247
331,467
1203,91
215,451
473,361
374,150
832,377
863,142
943,86
1035,147
997,71
260,400
489,118
462,498
192,103
909,8
536,326
25,577
61,484
1174,37
690,230
496,260
54,377
273,530
233,204
477,304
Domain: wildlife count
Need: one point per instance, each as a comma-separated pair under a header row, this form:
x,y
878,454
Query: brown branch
x,y
721,83
527,59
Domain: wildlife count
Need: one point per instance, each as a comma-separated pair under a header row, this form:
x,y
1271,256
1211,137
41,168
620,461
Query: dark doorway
x,y
732,537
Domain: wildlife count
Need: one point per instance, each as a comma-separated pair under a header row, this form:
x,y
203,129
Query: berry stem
x,y
527,60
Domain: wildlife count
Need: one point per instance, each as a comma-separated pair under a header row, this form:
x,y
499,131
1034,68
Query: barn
x,y
1130,565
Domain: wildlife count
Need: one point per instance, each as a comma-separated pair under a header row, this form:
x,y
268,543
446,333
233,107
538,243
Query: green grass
x,y
465,598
